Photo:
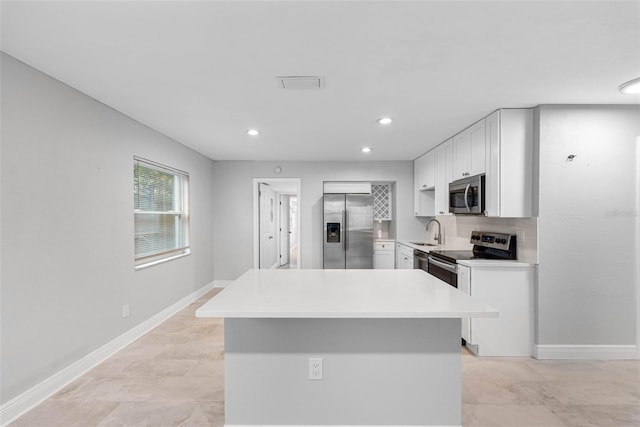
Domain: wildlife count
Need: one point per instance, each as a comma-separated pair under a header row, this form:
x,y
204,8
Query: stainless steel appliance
x,y
348,231
420,260
487,245
467,196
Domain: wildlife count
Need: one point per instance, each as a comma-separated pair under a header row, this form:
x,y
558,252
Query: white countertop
x,y
342,294
422,248
494,263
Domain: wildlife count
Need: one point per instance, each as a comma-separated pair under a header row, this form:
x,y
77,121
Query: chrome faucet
x,y
438,236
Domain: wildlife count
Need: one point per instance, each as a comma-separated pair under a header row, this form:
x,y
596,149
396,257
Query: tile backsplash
x,y
456,231
381,229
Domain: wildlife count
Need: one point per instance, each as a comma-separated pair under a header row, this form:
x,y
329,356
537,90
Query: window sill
x,y
160,261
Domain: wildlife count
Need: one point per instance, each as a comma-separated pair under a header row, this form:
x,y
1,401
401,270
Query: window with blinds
x,y
160,210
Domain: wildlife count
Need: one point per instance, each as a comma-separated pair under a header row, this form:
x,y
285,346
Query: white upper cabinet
x,y
424,182
469,151
500,146
444,175
424,172
509,163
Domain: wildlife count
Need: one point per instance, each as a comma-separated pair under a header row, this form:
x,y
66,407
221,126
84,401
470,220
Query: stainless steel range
x,y
486,245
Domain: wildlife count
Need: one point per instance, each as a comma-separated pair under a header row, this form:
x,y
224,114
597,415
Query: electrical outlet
x,y
315,368
520,236
125,310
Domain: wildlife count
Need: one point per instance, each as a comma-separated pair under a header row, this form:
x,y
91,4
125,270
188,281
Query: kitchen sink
x,y
423,244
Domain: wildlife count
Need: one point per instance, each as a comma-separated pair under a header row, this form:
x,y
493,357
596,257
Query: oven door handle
x,y
466,197
449,267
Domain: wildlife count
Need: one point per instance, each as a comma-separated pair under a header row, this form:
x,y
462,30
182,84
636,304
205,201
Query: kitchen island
x,y
382,347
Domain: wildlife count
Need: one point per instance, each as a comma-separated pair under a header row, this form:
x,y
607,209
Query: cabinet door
x,y
461,151
407,263
477,147
424,175
443,167
464,285
429,171
469,151
418,168
404,257
383,259
492,187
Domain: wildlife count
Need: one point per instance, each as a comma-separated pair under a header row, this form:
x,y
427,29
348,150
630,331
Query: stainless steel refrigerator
x,y
348,231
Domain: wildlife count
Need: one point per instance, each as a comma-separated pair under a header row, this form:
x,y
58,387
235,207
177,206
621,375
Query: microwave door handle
x,y
466,197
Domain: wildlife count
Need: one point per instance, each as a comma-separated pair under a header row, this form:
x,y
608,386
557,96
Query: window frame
x,y
184,247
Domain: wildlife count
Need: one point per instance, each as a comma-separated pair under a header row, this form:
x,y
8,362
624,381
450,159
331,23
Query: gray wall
x,y
587,225
67,226
234,206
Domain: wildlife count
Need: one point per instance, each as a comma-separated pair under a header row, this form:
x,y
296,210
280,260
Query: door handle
x,y
343,234
346,230
466,195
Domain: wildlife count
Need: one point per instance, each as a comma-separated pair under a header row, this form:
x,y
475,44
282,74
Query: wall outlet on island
x,y
315,368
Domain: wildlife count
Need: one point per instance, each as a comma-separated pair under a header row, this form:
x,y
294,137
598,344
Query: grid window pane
x,y
160,214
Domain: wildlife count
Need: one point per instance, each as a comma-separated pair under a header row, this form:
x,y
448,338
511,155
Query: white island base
x,y
375,372
389,341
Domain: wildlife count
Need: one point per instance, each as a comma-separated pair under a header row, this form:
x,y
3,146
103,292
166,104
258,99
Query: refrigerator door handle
x,y
344,229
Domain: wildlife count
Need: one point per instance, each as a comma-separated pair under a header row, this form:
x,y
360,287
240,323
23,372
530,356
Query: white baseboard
x,y
222,283
595,352
326,425
19,405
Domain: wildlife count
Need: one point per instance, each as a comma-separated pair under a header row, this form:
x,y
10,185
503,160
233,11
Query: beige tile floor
x,y
173,376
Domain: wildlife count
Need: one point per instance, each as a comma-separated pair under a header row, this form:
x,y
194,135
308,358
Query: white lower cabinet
x,y
510,291
384,254
464,285
404,257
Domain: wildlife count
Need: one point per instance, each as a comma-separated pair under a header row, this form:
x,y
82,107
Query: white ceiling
x,y
203,72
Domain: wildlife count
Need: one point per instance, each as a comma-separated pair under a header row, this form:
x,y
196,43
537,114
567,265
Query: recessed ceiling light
x,y
253,132
366,149
385,120
632,86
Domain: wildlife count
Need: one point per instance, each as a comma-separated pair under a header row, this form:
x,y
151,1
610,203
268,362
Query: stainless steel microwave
x,y
467,196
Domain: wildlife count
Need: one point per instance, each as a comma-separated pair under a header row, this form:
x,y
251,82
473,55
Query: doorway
x,y
276,223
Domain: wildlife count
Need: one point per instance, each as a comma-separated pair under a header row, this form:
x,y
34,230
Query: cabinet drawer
x,y
405,251
383,246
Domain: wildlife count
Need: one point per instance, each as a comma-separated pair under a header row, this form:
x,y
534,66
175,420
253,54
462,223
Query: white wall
x,y
587,225
234,206
67,226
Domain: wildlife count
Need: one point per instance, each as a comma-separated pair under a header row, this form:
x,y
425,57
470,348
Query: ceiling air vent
x,y
300,82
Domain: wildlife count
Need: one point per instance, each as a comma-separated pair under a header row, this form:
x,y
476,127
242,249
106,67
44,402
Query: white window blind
x,y
161,219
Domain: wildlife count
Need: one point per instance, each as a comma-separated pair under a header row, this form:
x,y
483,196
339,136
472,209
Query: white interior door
x,y
267,221
285,229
